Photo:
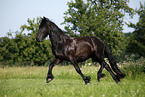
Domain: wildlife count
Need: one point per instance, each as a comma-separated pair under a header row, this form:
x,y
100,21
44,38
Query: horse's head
x,y
44,29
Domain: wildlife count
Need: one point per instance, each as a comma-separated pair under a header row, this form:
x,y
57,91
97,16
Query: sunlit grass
x,y
30,82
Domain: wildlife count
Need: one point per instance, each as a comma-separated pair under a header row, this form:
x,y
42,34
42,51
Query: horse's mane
x,y
56,29
57,34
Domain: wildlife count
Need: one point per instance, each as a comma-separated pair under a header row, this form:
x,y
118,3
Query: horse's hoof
x,y
88,84
87,80
100,76
48,80
119,82
117,79
121,76
100,79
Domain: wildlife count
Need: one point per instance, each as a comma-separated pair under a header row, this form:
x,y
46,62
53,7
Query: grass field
x,y
30,82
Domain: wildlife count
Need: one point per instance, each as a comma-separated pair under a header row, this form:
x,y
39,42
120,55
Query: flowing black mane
x,y
55,33
77,49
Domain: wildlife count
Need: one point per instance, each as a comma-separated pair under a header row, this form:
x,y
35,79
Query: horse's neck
x,y
57,38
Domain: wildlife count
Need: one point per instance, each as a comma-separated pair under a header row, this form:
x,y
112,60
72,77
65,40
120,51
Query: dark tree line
x,y
137,40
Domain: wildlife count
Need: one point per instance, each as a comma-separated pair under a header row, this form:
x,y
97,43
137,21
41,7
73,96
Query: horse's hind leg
x,y
52,64
115,77
100,75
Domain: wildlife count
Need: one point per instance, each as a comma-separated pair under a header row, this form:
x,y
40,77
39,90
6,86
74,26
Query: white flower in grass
x,y
89,64
115,95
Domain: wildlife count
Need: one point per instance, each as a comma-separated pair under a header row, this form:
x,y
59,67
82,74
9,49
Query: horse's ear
x,y
44,18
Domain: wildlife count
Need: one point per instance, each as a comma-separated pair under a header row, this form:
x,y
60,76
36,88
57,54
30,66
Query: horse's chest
x,y
59,52
62,51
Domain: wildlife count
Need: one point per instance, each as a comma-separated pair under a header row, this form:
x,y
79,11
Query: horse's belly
x,y
84,54
82,58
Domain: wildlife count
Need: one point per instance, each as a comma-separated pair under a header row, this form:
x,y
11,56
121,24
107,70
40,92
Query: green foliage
x,y
7,48
137,40
102,18
133,68
25,48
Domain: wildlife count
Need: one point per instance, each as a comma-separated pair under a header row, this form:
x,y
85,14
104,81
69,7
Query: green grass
x,y
30,82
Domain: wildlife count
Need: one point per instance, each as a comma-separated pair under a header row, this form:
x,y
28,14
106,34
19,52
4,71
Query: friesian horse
x,y
77,49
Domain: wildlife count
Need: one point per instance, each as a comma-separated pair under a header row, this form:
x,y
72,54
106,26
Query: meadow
x,y
30,82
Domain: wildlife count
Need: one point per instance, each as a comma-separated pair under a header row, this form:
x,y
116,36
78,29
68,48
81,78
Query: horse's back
x,y
87,46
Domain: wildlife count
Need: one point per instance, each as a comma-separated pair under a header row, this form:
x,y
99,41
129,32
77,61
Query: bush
x,y
133,68
24,49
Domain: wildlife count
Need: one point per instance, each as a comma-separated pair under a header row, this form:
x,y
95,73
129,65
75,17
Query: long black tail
x,y
113,63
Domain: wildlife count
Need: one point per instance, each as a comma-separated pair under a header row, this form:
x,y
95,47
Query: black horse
x,y
77,49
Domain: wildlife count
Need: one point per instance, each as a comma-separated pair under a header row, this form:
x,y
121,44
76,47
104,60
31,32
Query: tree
x,y
102,18
137,40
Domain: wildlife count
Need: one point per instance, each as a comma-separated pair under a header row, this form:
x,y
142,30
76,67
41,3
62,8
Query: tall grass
x,y
30,82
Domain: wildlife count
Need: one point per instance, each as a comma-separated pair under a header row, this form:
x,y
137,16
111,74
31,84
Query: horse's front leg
x,y
85,78
52,64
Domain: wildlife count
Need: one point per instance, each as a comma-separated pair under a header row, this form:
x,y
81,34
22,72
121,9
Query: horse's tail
x,y
112,62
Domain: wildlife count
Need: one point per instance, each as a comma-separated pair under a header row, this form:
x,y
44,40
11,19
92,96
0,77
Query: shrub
x,y
133,68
